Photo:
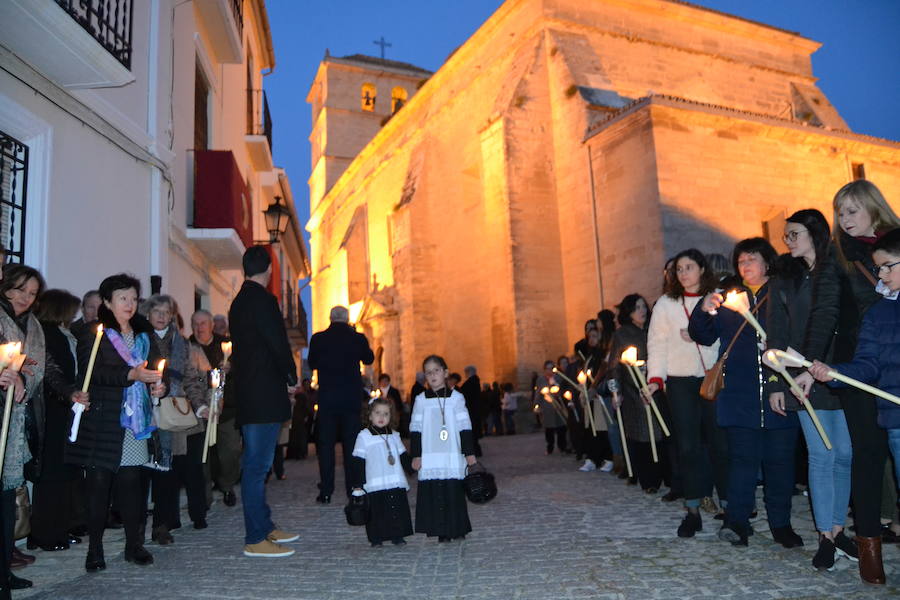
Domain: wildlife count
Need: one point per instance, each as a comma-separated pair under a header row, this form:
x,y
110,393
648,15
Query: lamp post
x,y
277,217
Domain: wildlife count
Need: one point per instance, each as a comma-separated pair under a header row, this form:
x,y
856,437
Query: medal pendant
x,y
391,459
445,435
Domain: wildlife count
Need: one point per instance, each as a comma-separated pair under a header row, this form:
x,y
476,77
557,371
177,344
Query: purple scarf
x,y
136,414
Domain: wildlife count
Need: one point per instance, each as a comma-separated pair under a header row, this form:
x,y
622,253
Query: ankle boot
x,y
871,569
618,463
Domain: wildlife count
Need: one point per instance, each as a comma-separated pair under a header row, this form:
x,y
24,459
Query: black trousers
x,y
278,461
187,471
702,446
51,512
870,451
130,498
650,474
596,447
334,426
8,514
555,432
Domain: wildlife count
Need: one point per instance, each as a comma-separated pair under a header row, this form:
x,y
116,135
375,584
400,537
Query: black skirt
x,y
441,508
389,516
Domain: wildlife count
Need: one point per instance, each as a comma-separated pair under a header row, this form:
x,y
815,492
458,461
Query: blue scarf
x,y
136,414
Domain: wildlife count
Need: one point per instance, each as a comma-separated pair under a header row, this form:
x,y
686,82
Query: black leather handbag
x,y
480,486
357,510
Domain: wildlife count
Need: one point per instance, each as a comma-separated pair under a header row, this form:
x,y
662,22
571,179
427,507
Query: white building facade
x,y
135,136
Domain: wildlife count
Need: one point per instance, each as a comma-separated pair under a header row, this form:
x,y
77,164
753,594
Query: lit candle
x,y
567,395
545,390
738,302
90,365
582,380
214,377
226,351
563,375
161,366
13,360
770,359
554,389
629,357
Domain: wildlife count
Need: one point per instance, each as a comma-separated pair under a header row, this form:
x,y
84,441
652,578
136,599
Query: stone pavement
x,y
552,532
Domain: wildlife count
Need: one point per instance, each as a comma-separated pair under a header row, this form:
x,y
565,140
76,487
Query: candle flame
x,y
582,378
214,378
567,395
629,357
99,328
554,389
315,407
737,301
226,348
545,390
161,366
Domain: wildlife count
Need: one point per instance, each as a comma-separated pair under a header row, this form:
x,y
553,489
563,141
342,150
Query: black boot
x,y
824,558
690,525
787,537
94,561
138,555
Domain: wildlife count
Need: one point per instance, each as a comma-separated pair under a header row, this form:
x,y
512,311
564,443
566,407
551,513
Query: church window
x,y
398,99
368,97
859,171
356,244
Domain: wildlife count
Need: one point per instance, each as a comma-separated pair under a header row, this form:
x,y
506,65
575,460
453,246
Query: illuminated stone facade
x,y
552,164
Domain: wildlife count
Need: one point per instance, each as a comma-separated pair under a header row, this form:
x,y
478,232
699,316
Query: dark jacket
x,y
471,391
59,384
261,361
788,308
336,353
634,416
743,402
877,358
100,435
841,296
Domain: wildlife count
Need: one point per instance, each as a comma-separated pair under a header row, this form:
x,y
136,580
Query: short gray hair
x,y
202,312
155,300
340,314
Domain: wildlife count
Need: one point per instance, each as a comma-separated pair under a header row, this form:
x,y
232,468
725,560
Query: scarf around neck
x,y
136,414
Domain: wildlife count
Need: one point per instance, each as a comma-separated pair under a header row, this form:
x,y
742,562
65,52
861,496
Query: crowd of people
x,y
727,421
834,299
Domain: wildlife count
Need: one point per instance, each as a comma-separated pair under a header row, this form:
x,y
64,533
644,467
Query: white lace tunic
x,y
380,474
441,459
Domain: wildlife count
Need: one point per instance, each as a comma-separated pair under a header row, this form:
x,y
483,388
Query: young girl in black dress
x,y
379,459
441,446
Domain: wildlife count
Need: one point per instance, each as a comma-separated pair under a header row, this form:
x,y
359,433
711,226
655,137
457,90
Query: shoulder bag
x,y
174,413
714,380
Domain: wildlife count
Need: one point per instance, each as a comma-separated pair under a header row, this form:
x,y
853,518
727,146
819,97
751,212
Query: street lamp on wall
x,y
277,217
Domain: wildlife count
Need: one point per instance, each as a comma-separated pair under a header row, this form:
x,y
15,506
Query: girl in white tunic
x,y
441,445
379,459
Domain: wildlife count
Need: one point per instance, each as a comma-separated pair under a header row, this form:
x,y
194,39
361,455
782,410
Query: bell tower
x,y
352,98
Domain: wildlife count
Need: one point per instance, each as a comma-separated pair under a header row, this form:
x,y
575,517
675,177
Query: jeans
x,y
701,444
615,438
509,425
747,449
894,444
256,460
829,470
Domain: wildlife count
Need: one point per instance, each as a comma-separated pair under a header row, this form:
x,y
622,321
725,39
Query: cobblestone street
x,y
552,532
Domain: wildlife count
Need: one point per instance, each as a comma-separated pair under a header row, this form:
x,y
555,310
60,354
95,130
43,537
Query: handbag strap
x,y
862,269
684,306
744,324
178,408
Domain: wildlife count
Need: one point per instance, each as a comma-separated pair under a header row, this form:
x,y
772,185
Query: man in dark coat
x,y
336,353
265,376
471,390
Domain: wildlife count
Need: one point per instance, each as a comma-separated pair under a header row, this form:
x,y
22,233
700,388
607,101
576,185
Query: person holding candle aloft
x,y
807,238
182,449
441,445
633,317
844,290
112,440
757,435
554,425
677,363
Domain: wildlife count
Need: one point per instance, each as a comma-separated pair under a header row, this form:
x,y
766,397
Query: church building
x,y
551,165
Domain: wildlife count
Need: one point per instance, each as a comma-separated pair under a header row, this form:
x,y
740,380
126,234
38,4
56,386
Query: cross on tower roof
x,y
383,45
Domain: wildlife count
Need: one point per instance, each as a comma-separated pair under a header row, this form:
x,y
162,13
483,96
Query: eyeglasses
x,y
791,236
878,269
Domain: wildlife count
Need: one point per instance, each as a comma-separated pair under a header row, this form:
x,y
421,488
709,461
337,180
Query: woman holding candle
x,y
807,237
757,435
554,424
677,363
112,441
633,318
183,450
19,289
844,290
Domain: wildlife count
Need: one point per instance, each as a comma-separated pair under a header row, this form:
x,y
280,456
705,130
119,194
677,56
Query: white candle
x,y
90,365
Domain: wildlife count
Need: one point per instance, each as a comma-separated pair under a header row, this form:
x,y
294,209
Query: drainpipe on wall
x,y
596,229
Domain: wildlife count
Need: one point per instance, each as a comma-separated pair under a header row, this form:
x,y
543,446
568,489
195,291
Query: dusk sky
x,y
858,65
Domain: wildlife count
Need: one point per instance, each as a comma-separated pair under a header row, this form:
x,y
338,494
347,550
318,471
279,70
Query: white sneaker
x,y
607,466
588,466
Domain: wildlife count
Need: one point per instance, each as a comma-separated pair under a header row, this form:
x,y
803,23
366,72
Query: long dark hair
x,y
15,276
708,280
628,305
817,227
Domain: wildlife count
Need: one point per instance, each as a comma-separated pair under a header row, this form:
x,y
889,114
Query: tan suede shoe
x,y
267,549
282,537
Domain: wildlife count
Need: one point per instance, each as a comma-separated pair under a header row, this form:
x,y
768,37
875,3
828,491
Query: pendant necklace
x,y
387,447
444,435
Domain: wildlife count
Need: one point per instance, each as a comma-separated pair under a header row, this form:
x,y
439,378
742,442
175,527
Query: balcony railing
x,y
237,9
259,120
108,21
